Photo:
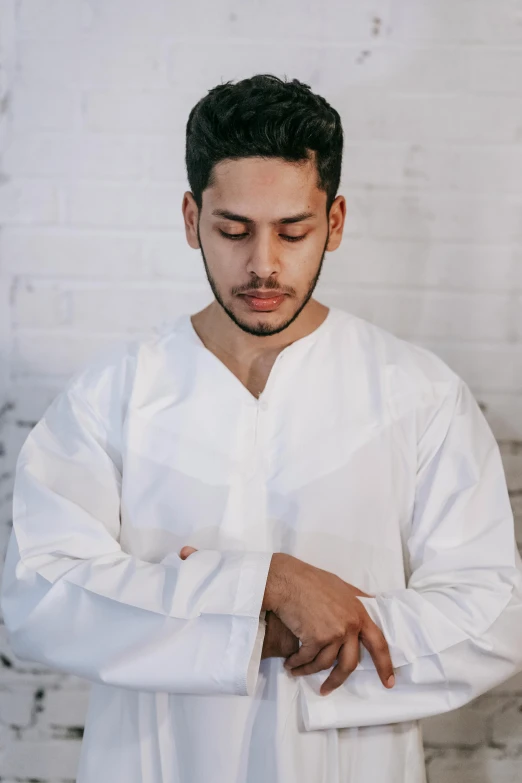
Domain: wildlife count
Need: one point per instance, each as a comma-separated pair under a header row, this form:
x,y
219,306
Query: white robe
x,y
365,455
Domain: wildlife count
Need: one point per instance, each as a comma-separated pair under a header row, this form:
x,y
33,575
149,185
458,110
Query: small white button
x,y
263,405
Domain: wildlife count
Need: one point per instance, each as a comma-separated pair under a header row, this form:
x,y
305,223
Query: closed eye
x,y
286,237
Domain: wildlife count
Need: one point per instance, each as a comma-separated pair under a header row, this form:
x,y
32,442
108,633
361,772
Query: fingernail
x,y
325,692
391,681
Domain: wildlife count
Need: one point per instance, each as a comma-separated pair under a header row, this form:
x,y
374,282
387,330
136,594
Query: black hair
x,y
263,116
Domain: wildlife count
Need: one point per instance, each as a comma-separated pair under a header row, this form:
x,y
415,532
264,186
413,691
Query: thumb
x,y
186,551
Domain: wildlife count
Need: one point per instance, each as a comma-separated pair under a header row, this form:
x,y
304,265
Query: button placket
x,y
255,449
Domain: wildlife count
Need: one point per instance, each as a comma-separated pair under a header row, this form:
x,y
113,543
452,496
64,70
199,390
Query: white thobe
x,y
365,455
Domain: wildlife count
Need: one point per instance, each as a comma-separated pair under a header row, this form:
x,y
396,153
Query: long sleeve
x,y
455,631
73,600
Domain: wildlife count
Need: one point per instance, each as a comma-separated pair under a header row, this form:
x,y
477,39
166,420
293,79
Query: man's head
x,y
259,153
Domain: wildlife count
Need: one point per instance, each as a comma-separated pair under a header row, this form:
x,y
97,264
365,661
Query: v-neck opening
x,y
323,326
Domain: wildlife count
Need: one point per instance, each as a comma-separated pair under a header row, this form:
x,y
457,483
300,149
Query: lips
x,y
264,302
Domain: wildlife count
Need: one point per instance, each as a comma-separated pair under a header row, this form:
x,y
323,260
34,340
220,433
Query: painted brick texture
x,y
94,97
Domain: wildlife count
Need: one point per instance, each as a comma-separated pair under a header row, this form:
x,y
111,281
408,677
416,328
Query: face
x,y
263,228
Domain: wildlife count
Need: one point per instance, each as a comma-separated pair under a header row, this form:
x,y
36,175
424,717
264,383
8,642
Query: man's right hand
x,y
325,614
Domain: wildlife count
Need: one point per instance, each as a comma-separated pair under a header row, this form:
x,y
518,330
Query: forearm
x,y
147,626
277,582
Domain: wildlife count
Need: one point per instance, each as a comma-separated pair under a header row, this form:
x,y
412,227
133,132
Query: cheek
x,y
222,264
310,261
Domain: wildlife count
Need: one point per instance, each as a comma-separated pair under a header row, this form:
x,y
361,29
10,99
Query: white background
x,y
94,98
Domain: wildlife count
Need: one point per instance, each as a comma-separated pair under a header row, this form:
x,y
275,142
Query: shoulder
x,y
106,381
409,374
385,349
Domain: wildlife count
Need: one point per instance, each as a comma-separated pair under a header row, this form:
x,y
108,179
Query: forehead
x,y
249,185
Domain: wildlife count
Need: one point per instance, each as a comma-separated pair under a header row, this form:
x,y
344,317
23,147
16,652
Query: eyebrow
x,y
242,219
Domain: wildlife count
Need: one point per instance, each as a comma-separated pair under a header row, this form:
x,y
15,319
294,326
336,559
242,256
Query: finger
x,y
324,659
347,660
373,639
305,654
186,551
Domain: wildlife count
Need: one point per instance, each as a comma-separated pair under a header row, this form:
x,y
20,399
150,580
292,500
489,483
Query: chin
x,y
262,324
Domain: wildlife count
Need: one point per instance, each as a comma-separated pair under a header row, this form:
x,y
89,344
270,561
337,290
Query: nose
x,y
263,261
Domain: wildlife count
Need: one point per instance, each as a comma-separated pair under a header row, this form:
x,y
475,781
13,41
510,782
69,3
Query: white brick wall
x,y
94,97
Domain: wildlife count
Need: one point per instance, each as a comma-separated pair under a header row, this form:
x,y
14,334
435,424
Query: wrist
x,y
275,583
289,643
279,641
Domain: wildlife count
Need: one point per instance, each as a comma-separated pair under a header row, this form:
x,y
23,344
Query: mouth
x,y
263,301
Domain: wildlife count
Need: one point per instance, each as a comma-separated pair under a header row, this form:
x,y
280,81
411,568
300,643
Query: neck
x,y
218,331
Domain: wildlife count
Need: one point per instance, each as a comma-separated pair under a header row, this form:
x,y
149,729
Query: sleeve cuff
x,y
255,658
248,620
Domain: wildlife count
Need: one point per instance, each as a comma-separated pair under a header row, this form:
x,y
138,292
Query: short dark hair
x,y
263,116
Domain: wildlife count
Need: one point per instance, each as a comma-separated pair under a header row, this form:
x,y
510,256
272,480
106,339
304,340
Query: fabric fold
x,y
73,600
456,630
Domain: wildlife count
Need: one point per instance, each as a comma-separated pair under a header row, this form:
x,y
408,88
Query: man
x,y
272,535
